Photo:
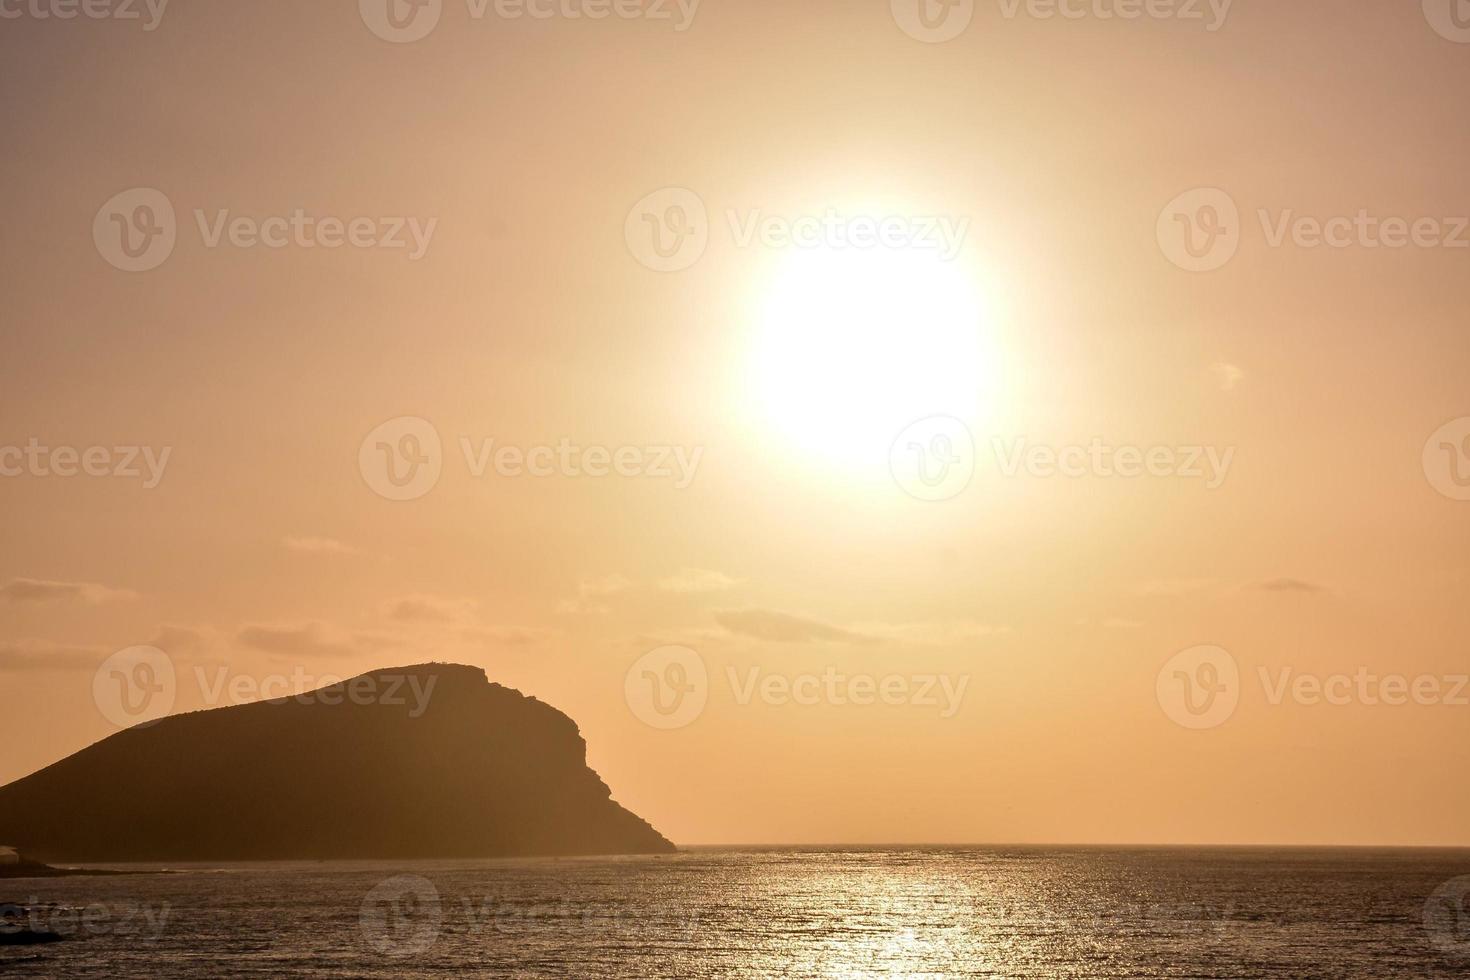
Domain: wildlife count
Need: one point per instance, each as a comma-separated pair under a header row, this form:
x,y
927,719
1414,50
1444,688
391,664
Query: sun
x,y
852,345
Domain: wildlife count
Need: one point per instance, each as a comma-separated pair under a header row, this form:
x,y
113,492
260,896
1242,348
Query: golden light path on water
x,y
807,913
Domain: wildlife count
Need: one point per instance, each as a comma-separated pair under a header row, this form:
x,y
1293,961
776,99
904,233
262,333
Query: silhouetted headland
x,y
14,864
430,761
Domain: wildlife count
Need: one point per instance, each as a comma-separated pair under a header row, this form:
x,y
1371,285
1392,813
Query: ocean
x,y
1013,912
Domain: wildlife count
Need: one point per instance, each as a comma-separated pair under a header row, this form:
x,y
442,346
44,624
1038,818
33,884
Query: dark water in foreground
x,y
933,912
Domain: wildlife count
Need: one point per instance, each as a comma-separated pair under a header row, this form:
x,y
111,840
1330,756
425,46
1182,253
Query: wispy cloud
x,y
432,609
1227,375
507,636
607,585
938,633
185,641
40,590
1290,585
1226,591
779,627
592,592
1171,588
303,640
700,637
29,655
698,580
318,546
179,642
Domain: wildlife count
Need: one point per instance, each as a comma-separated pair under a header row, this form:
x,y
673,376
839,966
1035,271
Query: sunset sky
x,y
781,375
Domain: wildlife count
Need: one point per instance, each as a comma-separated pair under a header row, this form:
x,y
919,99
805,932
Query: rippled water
x,y
934,912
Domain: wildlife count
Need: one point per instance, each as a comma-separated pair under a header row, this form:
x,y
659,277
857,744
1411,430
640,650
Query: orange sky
x,y
787,546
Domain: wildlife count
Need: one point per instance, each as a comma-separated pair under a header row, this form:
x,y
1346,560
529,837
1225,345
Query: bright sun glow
x,y
854,345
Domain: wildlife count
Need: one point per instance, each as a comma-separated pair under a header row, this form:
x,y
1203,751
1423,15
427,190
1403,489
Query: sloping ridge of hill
x,y
481,771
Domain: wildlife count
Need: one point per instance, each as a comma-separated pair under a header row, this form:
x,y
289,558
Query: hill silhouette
x,y
472,770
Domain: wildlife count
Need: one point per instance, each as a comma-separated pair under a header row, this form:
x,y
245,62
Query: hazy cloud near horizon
x,y
779,627
299,640
432,609
1290,585
318,546
40,590
25,655
697,580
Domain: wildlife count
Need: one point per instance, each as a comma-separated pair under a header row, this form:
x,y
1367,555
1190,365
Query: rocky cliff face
x,y
445,765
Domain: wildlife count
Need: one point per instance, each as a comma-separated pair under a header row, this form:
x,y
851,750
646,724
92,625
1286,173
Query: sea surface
x,y
796,912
